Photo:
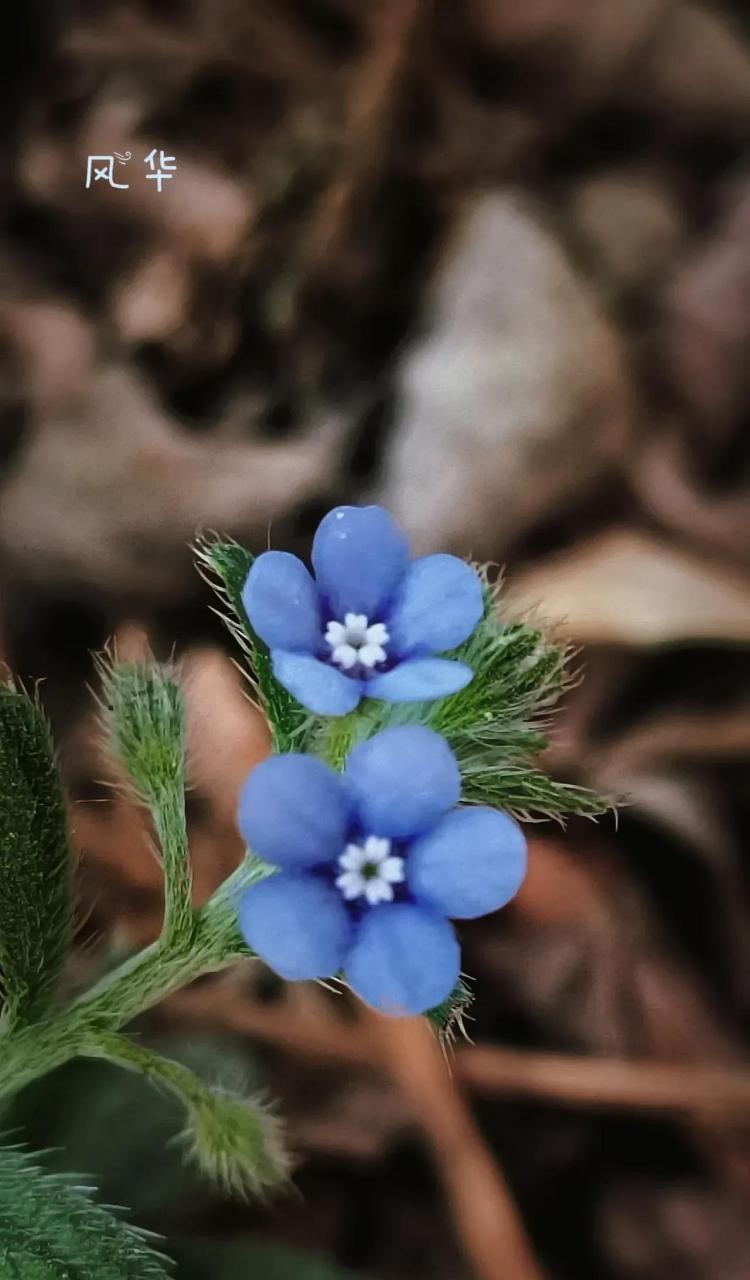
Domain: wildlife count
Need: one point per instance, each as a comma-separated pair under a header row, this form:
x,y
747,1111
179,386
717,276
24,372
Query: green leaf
x,y
225,566
50,1229
35,896
448,1018
528,792
496,726
145,723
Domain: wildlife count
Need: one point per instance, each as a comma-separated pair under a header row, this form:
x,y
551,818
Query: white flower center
x,y
370,870
353,641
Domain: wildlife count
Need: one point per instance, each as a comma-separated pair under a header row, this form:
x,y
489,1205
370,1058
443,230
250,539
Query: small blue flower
x,y
371,621
372,865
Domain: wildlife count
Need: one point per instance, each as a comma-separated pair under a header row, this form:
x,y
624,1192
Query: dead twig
x,y
607,1082
610,1083
485,1214
369,108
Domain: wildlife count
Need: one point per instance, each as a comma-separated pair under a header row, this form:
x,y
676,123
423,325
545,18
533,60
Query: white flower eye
x,y
369,871
353,642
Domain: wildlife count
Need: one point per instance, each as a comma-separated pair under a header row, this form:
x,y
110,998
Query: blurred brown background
x,y
487,263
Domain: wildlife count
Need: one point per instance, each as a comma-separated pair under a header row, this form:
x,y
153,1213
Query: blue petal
x,y
360,556
439,604
281,601
405,959
403,780
294,812
317,685
472,863
298,925
419,680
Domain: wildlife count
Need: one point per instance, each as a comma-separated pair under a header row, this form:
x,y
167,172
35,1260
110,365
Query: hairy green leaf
x,y
50,1229
145,721
35,896
448,1018
496,726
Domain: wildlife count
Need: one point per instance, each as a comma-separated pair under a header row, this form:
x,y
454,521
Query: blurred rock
x,y
594,37
140,488
623,587
706,325
630,226
151,303
696,69
56,347
514,400
682,1232
673,491
207,213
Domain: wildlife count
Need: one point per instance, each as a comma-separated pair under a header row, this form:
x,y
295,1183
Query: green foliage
x,y
35,897
145,724
496,726
225,566
448,1018
50,1229
120,1129
140,982
236,1141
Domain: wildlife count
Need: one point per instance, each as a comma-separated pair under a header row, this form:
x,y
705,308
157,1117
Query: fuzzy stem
x,y
140,982
124,1052
235,1140
169,821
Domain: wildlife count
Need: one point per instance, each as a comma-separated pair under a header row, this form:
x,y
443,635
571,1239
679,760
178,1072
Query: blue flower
x,y
371,621
372,865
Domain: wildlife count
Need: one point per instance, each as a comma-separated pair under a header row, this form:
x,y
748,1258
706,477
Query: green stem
x,y
136,985
168,814
127,1053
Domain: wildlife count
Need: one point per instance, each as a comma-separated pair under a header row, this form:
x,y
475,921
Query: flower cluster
x,y
370,623
372,866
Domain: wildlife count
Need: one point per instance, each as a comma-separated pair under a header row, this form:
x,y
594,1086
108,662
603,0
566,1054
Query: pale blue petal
x,y
298,925
403,780
294,812
281,601
405,959
360,556
439,604
317,685
419,680
471,863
